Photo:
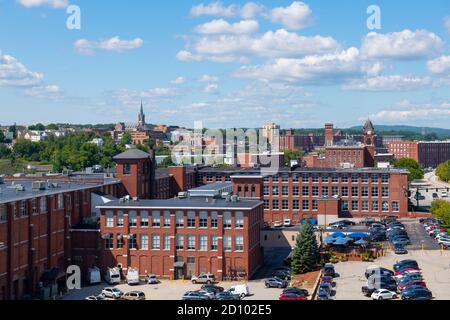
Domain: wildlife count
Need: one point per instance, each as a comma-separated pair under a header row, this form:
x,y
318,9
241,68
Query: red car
x,y
327,279
291,297
402,271
412,283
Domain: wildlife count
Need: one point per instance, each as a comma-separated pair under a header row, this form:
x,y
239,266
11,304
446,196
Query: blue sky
x,y
228,64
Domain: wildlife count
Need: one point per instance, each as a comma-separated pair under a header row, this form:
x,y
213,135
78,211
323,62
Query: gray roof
x,y
132,154
183,204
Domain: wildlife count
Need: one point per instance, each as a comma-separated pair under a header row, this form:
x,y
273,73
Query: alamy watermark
x,y
374,19
73,22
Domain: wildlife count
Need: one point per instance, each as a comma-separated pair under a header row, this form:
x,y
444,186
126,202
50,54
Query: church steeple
x,y
141,117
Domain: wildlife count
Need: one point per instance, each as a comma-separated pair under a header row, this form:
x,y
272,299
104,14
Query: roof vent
x,y
38,185
20,187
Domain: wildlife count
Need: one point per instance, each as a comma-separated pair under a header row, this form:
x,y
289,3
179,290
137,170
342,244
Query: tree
x,y
143,147
443,171
126,139
37,126
306,251
4,151
441,210
167,162
13,129
415,171
290,155
52,126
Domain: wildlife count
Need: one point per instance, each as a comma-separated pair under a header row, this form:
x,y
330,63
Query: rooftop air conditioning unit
x,y
234,198
20,187
182,195
38,185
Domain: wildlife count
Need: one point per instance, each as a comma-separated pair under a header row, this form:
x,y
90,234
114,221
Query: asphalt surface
x,y
273,258
417,234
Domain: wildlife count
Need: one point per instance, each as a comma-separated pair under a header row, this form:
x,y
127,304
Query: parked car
x,y
323,295
134,295
444,242
375,270
291,297
278,224
435,195
375,279
406,264
326,287
98,298
348,222
226,295
194,295
281,275
112,293
204,278
400,249
285,269
328,279
152,279
407,284
210,294
287,223
212,287
275,283
328,270
297,291
241,290
417,293
383,294
368,290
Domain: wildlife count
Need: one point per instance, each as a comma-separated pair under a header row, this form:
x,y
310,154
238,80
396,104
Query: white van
x,y
112,276
444,194
133,276
240,290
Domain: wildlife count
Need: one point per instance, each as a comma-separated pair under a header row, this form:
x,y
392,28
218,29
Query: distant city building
x,y
429,154
270,131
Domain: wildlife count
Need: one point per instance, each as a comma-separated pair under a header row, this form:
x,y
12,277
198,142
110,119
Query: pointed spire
x,y
142,108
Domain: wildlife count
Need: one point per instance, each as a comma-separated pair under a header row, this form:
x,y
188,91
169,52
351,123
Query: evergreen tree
x,y
306,251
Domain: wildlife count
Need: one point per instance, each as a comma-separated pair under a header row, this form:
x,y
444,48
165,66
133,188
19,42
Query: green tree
x,y
13,129
126,139
143,147
4,151
52,126
415,171
306,252
441,210
290,155
443,171
37,126
2,137
167,162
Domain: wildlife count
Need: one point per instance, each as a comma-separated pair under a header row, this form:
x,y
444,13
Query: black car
x,y
212,288
281,275
374,279
406,264
328,270
348,222
400,249
297,291
417,293
227,296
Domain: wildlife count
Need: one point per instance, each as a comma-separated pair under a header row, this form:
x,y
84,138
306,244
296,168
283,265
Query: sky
x,y
226,63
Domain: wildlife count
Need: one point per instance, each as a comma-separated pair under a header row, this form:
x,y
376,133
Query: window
x,y
191,219
355,178
120,243
275,204
344,191
305,177
285,191
295,178
3,213
395,206
275,191
166,219
305,191
365,178
34,207
344,179
132,245
315,191
239,220
132,219
23,209
266,190
296,205
227,243
325,192
266,204
203,243
109,219
315,179
375,206
355,191
227,220
365,192
126,169
355,205
144,218
179,219
120,218
275,178
60,201
179,242
344,206
375,192
295,191
43,204
305,205
385,192
334,178
156,219
203,219
144,242
214,223
214,243
385,178
191,242
315,205
365,205
109,241
166,242
285,178
156,241
385,206
374,178
334,190
285,205
239,243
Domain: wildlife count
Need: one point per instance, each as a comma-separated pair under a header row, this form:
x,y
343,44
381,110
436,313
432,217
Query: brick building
x,y
429,154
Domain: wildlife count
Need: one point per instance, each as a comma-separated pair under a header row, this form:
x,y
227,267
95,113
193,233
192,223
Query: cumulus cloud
x,y
178,80
403,45
221,26
52,92
208,78
88,47
132,97
211,88
407,112
14,73
296,16
440,65
57,4
214,9
324,69
240,48
389,83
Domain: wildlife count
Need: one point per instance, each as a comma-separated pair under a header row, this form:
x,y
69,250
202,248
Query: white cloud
x,y
178,80
439,65
403,45
407,112
251,10
208,78
132,97
214,9
52,92
87,47
447,23
389,83
239,48
211,88
324,69
221,26
14,73
296,16
57,4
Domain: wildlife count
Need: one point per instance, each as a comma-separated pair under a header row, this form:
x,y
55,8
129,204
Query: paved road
x,y
417,234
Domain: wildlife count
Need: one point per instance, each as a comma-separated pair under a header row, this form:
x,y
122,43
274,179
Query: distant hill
x,y
403,128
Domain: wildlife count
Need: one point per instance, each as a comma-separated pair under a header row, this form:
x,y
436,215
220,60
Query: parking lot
x,y
174,290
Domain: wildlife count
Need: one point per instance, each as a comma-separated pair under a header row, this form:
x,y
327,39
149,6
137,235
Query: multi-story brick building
x,y
429,154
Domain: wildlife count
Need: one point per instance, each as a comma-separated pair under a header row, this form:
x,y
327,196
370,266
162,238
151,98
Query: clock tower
x,y
369,133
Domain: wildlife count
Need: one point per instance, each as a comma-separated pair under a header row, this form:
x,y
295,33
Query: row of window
x,y
182,242
156,220
335,178
315,191
313,205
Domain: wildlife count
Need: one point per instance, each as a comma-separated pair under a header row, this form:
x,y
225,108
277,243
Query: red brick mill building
x,y
203,231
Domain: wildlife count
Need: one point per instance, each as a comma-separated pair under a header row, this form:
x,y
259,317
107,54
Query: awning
x,y
179,265
358,235
342,241
329,240
338,235
361,243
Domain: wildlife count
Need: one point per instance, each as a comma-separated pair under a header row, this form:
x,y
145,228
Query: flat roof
x,y
183,204
8,192
216,186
